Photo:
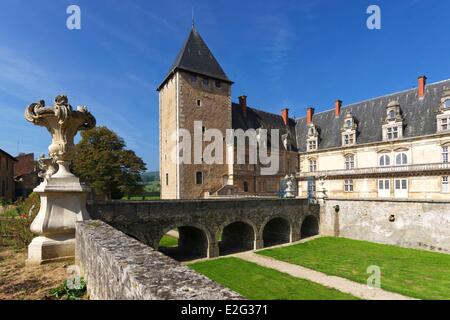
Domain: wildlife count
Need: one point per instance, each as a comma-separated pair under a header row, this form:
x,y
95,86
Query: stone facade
x,y
410,223
203,221
7,189
424,171
118,267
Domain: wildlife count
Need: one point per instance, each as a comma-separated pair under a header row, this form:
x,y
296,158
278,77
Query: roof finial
x,y
193,21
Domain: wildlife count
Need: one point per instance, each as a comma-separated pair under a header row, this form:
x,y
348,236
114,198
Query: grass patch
x,y
414,273
168,242
260,283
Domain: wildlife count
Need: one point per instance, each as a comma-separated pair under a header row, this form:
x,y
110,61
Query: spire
x,y
196,57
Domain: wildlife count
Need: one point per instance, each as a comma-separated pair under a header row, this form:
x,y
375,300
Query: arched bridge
x,y
209,228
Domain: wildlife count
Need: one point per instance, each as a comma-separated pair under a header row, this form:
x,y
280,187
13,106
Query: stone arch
x,y
276,230
309,227
236,236
193,241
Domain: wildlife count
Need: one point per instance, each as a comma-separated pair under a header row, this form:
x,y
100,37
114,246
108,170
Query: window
x,y
205,81
445,154
349,162
444,124
199,103
312,165
392,133
445,188
193,78
401,184
203,129
167,179
401,159
348,139
312,145
384,185
199,177
392,115
245,186
348,123
348,185
447,104
218,84
385,160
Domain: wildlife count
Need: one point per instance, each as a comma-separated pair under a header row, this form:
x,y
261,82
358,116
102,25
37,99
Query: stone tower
x,y
195,89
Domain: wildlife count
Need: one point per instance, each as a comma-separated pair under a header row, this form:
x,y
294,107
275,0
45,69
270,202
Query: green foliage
x,y
15,223
64,292
415,273
150,176
101,160
4,202
260,283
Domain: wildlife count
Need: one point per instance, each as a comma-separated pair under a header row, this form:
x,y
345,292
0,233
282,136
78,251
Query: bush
x,y
66,292
15,223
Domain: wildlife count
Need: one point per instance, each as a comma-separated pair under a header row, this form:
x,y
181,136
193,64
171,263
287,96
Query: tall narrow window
x,y
199,177
199,103
245,186
349,162
385,160
401,159
444,124
167,179
445,154
445,188
312,165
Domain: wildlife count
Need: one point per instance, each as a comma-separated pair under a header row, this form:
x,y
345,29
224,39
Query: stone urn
x,y
289,191
63,197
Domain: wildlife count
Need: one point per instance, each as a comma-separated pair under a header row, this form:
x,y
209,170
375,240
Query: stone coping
x,y
390,200
117,266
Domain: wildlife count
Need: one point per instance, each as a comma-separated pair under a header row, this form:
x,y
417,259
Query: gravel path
x,y
356,289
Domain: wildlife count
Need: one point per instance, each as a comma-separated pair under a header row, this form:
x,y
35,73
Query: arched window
x,y
401,159
392,115
447,104
385,160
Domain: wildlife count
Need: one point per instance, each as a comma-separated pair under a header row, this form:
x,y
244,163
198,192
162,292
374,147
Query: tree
x,y
101,160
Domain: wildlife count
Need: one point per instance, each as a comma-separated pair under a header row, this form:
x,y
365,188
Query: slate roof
x,y
196,57
260,119
419,117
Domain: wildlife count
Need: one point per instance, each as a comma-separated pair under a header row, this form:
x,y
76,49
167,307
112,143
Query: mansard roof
x,y
196,57
419,117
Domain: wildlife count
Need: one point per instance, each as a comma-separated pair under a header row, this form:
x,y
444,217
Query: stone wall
x,y
116,266
419,223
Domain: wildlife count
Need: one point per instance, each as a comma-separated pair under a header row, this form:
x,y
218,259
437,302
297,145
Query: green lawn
x,y
414,273
168,242
259,283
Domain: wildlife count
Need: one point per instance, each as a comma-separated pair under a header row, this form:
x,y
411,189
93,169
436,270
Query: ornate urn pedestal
x,y
63,197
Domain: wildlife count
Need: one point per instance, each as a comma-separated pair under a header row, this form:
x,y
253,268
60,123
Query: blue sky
x,y
279,53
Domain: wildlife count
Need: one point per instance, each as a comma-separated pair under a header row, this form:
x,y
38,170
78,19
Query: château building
x,y
395,146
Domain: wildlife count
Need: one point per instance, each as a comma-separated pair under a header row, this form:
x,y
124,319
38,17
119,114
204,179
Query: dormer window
x,y
443,114
392,133
393,124
312,140
348,130
447,104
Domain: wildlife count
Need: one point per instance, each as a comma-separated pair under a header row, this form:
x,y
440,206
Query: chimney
x,y
309,115
285,115
243,104
422,84
337,108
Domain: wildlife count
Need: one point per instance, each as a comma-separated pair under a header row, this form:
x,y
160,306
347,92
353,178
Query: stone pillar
x,y
213,250
259,244
63,197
